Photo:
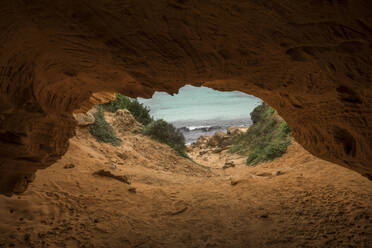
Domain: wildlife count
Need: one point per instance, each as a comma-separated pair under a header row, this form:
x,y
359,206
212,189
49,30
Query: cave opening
x,y
197,111
309,60
125,182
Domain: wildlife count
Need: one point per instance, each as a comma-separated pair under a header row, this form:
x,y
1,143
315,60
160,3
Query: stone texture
x,y
217,139
125,122
84,119
311,60
236,131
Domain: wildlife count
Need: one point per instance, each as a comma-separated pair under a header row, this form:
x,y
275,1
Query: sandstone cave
x,y
310,60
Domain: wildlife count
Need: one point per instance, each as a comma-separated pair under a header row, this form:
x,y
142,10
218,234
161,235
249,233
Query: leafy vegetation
x,y
102,130
165,132
159,130
267,138
120,102
140,112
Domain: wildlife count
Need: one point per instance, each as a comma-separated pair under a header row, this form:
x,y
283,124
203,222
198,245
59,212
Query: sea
x,y
197,111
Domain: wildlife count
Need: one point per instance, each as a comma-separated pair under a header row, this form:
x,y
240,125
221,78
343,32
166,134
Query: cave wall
x,y
311,60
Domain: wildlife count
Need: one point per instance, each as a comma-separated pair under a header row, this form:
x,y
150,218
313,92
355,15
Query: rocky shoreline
x,y
215,148
220,140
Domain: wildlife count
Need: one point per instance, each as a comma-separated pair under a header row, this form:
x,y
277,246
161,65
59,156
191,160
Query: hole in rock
x,y
201,168
346,140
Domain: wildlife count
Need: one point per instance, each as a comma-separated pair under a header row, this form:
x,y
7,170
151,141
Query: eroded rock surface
x,y
84,119
124,122
218,141
311,60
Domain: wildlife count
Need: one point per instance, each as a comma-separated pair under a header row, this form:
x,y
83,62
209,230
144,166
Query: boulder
x,y
189,148
201,142
227,141
125,122
236,131
84,119
219,140
216,139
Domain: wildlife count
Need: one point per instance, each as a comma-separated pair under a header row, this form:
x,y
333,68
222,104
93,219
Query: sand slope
x,y
178,203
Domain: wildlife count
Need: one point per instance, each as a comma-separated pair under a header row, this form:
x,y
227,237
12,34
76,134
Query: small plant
x,y
102,130
166,133
252,158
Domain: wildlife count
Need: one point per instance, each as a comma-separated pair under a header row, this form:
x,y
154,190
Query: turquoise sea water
x,y
202,111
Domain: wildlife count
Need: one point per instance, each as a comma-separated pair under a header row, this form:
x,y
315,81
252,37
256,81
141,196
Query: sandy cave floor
x,y
178,203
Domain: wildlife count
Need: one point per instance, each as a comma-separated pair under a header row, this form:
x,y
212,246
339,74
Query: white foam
x,y
191,128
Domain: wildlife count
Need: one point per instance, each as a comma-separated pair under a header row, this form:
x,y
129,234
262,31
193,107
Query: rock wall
x,y
311,60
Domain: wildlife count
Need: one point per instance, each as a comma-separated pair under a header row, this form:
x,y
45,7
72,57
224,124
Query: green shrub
x,y
235,148
166,133
140,112
266,139
102,130
275,150
159,130
256,114
285,130
120,102
251,160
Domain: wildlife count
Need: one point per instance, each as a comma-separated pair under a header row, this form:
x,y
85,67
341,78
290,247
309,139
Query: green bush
x,y
275,150
140,112
120,102
159,130
102,130
166,133
285,130
252,158
266,139
266,152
